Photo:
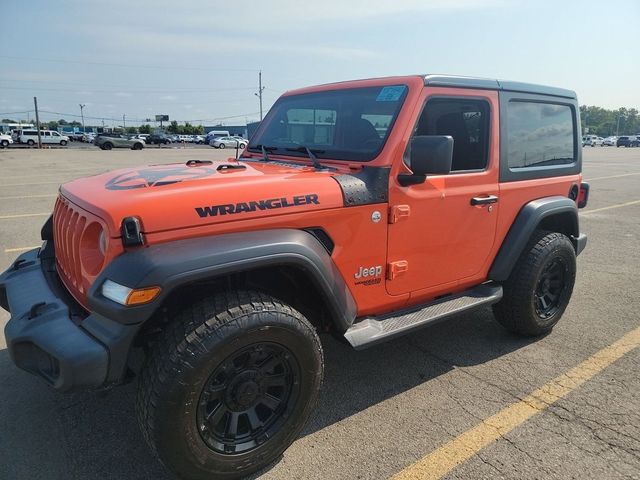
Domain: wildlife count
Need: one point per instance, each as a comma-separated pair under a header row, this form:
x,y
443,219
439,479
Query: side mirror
x,y
428,154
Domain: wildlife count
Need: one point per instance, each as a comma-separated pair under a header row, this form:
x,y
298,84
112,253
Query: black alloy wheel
x,y
248,398
550,289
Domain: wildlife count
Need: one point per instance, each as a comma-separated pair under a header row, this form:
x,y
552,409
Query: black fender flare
x,y
526,222
173,264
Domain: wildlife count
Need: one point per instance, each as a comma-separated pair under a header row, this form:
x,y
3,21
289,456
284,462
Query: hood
x,y
179,195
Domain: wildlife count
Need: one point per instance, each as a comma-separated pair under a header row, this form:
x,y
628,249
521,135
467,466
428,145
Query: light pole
x,y
618,124
82,115
124,123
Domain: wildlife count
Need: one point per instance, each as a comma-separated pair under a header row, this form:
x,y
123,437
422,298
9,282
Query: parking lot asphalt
x,y
454,399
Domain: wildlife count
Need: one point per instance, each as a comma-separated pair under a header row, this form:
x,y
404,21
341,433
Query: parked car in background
x,y
75,136
88,137
228,142
592,141
199,139
143,136
610,141
107,141
5,140
48,137
627,141
215,134
158,139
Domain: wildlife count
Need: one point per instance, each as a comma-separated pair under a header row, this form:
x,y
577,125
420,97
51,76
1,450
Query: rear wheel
x,y
136,146
31,143
540,286
222,145
229,385
63,143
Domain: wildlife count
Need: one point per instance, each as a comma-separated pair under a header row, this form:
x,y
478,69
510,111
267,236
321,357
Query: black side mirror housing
x,y
428,154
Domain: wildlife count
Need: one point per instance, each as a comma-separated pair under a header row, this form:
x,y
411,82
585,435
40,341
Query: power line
x,y
130,65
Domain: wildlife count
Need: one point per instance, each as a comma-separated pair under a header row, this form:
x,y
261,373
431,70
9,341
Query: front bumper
x,y
46,336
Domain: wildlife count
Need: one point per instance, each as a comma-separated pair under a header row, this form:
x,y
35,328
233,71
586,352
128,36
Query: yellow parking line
x,y
20,249
443,460
24,215
634,202
28,196
613,176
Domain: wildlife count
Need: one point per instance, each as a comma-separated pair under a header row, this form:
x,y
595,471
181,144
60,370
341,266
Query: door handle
x,y
484,200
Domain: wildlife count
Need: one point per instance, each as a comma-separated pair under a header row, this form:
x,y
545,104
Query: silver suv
x,y
114,140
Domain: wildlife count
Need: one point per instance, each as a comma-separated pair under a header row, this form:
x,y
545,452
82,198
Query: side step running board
x,y
372,330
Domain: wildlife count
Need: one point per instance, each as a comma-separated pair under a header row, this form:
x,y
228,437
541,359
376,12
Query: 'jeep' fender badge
x,y
376,216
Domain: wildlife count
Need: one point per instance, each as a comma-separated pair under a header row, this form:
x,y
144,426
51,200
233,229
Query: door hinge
x,y
396,268
398,212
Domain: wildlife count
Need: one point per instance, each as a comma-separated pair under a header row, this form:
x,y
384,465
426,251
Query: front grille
x,y
69,222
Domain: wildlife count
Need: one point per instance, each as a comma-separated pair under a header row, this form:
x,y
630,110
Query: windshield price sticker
x,y
390,94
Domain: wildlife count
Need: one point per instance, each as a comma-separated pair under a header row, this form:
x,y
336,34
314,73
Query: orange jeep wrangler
x,y
367,209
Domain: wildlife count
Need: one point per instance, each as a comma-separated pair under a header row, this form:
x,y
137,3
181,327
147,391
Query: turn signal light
x,y
142,295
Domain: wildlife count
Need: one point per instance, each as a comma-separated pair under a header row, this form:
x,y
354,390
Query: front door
x,y
442,231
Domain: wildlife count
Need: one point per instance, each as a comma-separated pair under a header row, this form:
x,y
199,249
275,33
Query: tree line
x,y
604,123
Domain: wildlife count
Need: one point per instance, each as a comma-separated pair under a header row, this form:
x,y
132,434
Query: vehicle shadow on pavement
x,y
94,435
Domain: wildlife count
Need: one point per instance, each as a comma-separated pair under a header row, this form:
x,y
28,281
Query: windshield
x,y
348,124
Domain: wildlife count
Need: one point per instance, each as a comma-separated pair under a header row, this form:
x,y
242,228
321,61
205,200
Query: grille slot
x,y
69,223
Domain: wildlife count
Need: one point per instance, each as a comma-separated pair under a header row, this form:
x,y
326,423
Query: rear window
x,y
540,134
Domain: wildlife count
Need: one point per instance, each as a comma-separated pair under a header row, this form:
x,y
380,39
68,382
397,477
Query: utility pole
x,y
124,123
35,104
82,115
260,90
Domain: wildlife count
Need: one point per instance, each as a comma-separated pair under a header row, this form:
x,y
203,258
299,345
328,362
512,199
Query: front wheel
x,y
538,290
5,143
63,143
222,145
229,385
107,146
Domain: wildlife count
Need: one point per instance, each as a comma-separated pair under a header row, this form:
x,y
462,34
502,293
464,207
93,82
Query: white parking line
x,y
24,215
14,197
612,176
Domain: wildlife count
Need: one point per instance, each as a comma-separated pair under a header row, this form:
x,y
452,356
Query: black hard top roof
x,y
493,84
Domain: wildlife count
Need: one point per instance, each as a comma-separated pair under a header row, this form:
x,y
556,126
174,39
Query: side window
x,y
540,135
467,121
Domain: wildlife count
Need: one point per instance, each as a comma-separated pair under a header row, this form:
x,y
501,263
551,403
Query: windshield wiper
x,y
316,164
264,149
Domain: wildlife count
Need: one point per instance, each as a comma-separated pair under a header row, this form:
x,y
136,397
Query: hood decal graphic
x,y
157,177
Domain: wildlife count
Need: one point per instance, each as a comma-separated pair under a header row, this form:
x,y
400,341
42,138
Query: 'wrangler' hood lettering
x,y
252,206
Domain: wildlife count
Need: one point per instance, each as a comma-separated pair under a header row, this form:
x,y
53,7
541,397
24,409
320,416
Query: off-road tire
x,y
519,309
199,340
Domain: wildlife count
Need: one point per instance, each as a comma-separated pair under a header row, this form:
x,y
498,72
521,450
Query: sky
x,y
198,61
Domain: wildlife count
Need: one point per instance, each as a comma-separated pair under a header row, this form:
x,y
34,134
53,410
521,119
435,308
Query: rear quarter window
x,y
540,137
